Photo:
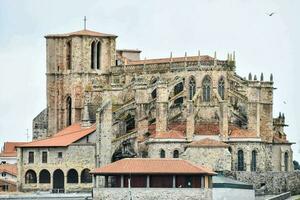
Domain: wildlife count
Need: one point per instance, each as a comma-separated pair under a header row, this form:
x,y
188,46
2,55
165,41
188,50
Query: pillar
x,y
142,100
190,121
223,123
162,107
122,181
148,181
174,181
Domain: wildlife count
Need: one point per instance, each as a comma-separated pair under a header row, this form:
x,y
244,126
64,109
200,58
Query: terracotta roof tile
x,y
279,140
9,149
237,132
167,60
207,129
9,168
207,142
64,137
152,166
81,33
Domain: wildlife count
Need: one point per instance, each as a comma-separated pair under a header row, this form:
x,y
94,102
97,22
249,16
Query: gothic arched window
x,y
286,161
240,160
30,176
178,88
192,88
69,111
130,123
206,86
253,160
85,176
72,176
44,176
98,55
69,55
162,153
221,88
176,154
93,55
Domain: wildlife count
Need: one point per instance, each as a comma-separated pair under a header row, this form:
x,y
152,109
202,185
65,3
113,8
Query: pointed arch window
x,y
253,160
69,111
176,154
178,88
286,161
192,88
206,84
240,160
162,153
95,55
221,88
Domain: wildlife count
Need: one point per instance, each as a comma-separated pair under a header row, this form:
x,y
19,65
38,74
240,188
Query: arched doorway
x,y
58,181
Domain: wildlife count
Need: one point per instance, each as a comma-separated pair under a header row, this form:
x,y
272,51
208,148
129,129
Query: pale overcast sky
x,y
262,44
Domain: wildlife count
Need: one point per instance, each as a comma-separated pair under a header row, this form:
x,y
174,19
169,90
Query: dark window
x,y
184,181
86,177
162,153
115,181
206,86
44,157
59,154
178,88
286,161
253,161
31,157
136,181
69,111
44,176
154,94
5,188
176,154
93,55
221,88
30,176
98,55
130,123
240,160
158,181
3,174
69,55
192,88
178,101
72,176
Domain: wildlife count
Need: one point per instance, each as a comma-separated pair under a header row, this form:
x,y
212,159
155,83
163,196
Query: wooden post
x,y
148,181
174,181
122,181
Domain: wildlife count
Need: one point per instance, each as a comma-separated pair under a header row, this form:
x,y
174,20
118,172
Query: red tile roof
x,y
152,166
167,60
9,168
9,149
207,142
237,132
279,140
81,33
64,137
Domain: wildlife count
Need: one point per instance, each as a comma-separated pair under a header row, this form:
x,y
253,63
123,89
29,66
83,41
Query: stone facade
x,y
73,157
217,159
152,193
40,125
270,182
154,108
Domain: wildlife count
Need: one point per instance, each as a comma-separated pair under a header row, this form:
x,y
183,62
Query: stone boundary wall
x,y
281,196
152,193
269,182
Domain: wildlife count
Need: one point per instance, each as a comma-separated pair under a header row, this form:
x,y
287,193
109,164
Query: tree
x,y
296,165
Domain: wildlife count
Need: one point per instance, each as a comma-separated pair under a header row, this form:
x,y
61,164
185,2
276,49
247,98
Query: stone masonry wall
x,y
275,182
216,158
152,193
76,156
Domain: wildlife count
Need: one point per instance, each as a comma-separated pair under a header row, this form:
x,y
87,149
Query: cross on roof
x,y
84,20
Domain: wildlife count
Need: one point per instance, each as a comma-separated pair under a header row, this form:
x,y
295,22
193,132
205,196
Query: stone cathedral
x,y
110,104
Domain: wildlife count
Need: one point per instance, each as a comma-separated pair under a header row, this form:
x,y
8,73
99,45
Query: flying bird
x,y
270,14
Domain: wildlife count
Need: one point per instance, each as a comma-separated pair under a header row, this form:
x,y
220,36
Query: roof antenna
x,y
84,20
